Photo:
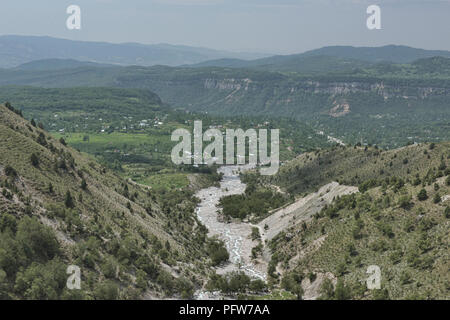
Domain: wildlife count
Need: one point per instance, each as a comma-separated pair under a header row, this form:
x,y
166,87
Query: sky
x,y
266,26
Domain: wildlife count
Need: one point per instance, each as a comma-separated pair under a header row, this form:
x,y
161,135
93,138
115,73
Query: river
x,y
236,235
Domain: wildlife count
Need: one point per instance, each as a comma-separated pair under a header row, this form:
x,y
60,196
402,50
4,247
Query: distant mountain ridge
x,y
335,58
389,53
57,64
17,50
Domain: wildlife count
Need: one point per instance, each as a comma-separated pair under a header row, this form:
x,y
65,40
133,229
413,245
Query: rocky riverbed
x,y
236,235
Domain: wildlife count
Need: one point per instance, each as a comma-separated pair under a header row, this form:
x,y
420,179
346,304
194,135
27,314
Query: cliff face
x,y
331,88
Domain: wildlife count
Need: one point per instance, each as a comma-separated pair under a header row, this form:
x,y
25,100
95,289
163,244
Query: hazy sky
x,y
272,26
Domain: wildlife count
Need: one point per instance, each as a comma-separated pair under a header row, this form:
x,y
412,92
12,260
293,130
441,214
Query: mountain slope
x,y
59,207
358,166
398,221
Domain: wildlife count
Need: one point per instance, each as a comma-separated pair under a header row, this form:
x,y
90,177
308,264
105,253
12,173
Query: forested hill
x,y
371,104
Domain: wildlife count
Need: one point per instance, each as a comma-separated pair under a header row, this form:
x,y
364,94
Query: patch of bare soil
x,y
339,109
302,209
312,289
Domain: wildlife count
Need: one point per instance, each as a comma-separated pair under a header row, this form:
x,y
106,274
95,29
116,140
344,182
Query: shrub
x,y
437,198
38,241
404,202
42,281
217,251
239,282
342,292
8,221
293,285
257,285
10,171
185,287
326,290
165,280
255,233
380,294
422,195
141,280
312,277
68,201
34,160
109,268
107,290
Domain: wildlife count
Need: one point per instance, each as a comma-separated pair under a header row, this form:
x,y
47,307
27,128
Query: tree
x,y
33,123
41,139
69,200
34,159
10,171
83,184
422,195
